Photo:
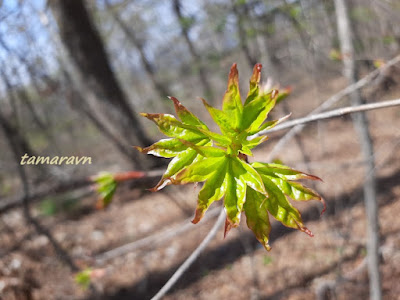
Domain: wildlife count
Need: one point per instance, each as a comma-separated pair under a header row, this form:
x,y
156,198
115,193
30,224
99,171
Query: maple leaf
x,y
220,159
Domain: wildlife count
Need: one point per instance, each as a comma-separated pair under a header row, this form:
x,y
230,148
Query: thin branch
x,y
11,203
195,254
333,114
155,239
331,101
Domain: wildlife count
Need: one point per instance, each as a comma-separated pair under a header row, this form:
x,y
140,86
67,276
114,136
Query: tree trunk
x,y
361,124
87,51
196,57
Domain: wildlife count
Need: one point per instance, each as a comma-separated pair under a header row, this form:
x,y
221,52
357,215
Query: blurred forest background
x,y
74,76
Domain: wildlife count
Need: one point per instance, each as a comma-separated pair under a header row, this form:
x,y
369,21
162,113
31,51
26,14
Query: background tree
x,y
86,50
362,128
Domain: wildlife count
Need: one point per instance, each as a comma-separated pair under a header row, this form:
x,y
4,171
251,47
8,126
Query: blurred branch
x,y
331,101
197,61
333,114
161,88
195,254
8,204
152,240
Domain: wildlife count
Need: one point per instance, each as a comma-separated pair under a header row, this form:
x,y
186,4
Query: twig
x,y
331,101
170,283
333,114
157,238
10,203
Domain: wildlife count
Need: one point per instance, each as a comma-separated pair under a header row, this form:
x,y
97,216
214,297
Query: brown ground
x,y
237,267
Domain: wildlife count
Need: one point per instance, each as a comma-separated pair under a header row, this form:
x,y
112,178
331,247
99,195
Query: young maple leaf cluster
x,y
220,160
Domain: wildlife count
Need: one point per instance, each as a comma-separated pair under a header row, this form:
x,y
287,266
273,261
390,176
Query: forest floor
x,y
236,267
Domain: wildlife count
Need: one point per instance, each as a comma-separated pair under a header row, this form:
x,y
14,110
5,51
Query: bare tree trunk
x,y
87,51
361,125
196,57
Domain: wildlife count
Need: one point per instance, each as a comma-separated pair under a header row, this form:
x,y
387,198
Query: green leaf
x,y
185,115
165,148
257,218
270,124
206,151
249,174
218,138
83,278
181,161
281,209
232,103
106,187
213,190
199,171
234,198
246,150
256,111
224,122
171,127
297,191
239,176
283,94
254,87
282,171
255,142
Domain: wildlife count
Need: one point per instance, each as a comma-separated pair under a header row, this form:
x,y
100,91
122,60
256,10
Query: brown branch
x,y
11,203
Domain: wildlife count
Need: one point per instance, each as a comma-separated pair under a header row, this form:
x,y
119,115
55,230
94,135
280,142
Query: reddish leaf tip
x,y
151,117
163,182
233,75
198,216
307,231
324,203
176,101
288,89
228,227
204,102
